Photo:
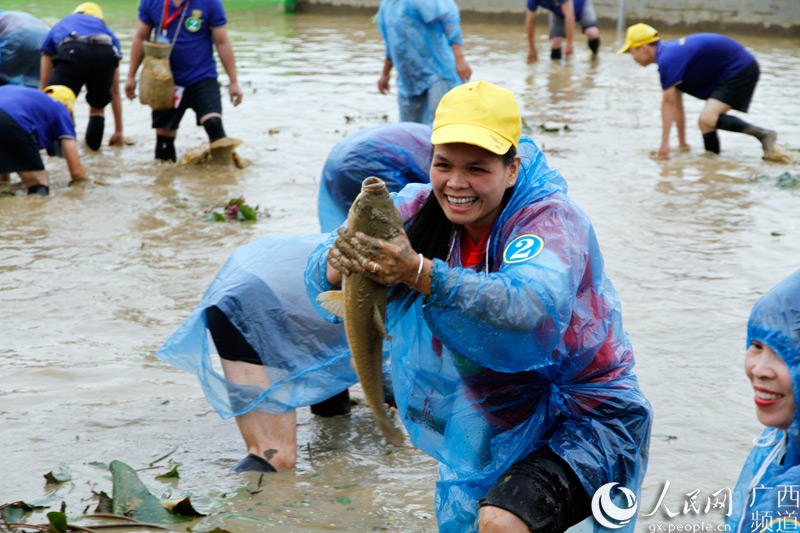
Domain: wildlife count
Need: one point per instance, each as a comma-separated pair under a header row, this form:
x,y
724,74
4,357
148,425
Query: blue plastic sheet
x,y
21,38
774,464
492,366
398,154
418,35
261,291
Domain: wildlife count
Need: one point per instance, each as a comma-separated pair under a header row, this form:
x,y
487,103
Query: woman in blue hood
x,y
510,365
766,495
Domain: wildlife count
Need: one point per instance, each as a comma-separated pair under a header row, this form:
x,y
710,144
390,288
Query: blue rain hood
x,y
527,351
398,153
773,467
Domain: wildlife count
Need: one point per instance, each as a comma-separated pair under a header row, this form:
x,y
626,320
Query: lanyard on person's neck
x,y
167,19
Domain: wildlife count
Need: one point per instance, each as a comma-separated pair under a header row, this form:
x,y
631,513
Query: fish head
x,y
373,212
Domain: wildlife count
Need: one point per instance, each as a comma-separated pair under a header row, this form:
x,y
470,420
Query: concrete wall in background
x,y
782,17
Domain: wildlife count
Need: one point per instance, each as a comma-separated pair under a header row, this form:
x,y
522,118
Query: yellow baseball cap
x,y
61,93
637,35
478,113
90,8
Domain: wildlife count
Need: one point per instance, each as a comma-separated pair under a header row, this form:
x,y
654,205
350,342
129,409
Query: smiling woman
x,y
773,365
510,365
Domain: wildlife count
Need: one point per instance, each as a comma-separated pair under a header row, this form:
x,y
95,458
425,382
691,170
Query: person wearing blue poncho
x,y
398,153
766,495
510,364
423,41
21,37
277,354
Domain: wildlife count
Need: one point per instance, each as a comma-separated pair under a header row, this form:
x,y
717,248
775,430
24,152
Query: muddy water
x,y
93,279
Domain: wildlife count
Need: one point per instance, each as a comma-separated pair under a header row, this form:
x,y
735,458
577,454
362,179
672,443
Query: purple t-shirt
x,y
82,24
192,57
555,6
698,62
37,113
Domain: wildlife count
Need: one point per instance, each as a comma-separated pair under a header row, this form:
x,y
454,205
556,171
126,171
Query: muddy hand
x,y
387,262
343,257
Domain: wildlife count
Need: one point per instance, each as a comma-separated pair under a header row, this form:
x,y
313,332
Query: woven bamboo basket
x,y
156,83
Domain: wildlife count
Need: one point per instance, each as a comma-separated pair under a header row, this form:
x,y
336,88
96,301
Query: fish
x,y
362,302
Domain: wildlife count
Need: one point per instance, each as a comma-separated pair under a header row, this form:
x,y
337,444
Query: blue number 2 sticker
x,y
523,248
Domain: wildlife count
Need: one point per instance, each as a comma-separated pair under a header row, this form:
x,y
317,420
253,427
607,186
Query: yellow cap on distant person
x,y
62,93
478,113
637,35
90,8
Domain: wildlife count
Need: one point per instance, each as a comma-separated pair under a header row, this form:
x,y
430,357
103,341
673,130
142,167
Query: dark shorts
x,y
543,491
203,97
737,90
91,63
19,150
229,341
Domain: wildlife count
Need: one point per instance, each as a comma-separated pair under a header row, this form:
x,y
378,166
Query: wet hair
x,y
429,232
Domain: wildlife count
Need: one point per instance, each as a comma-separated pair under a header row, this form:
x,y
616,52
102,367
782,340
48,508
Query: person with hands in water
x,y
709,66
30,121
81,50
423,41
762,497
510,365
193,27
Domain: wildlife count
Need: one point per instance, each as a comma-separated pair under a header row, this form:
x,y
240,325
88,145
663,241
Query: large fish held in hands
x,y
362,302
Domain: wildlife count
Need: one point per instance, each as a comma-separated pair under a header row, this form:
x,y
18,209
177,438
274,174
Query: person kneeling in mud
x,y
192,63
30,121
772,363
510,364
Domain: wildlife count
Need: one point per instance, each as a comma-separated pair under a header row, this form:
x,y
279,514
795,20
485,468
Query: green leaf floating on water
x,y
344,500
131,498
171,474
247,212
58,522
61,476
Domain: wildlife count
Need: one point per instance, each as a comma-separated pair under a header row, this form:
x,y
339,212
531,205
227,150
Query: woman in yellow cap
x,y
81,50
510,365
32,120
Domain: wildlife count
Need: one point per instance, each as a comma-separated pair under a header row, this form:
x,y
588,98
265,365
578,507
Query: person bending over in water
x,y
712,67
510,364
762,498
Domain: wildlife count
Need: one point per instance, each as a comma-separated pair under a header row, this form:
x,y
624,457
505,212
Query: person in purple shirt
x,y
563,14
80,50
709,66
193,27
31,120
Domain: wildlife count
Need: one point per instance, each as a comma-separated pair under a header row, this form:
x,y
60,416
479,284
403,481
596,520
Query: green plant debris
x,y
344,500
787,180
234,209
237,516
131,498
172,474
58,522
62,475
342,487
98,464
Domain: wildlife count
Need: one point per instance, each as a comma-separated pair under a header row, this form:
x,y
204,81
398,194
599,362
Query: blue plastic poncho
x,y
21,37
260,289
418,35
527,352
398,154
766,495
